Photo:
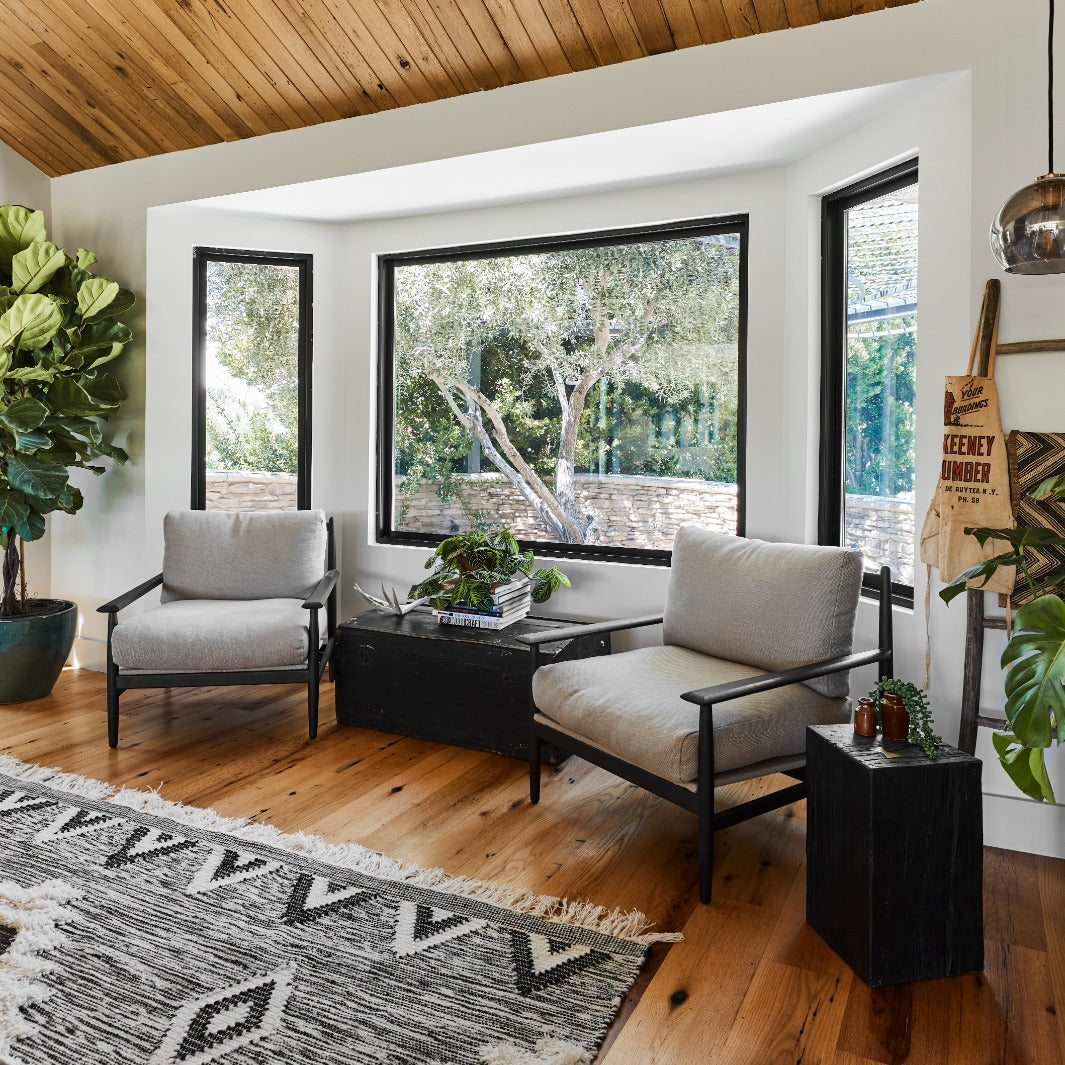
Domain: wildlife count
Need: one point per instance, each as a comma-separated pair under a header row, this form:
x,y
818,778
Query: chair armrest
x,y
122,601
322,591
736,689
594,628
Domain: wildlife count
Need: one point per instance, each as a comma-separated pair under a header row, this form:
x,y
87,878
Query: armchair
x,y
244,599
757,642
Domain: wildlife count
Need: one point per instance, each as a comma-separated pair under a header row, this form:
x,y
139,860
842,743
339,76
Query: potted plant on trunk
x,y
58,329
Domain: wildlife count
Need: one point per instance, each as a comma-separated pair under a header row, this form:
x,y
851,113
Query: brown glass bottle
x,y
894,717
865,718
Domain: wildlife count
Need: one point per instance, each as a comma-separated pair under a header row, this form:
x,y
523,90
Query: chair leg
x,y
312,707
706,844
535,751
112,707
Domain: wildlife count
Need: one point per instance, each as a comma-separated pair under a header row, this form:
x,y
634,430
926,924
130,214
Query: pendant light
x,y
1028,236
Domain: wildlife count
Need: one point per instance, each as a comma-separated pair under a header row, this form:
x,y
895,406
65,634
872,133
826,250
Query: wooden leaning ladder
x,y
976,620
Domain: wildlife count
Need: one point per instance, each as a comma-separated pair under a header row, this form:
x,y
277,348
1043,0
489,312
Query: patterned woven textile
x,y
137,931
1033,458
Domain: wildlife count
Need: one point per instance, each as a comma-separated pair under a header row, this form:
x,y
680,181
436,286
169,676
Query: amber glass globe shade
x,y
1028,236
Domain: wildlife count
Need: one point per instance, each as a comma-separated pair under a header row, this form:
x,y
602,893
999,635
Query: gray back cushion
x,y
263,555
768,605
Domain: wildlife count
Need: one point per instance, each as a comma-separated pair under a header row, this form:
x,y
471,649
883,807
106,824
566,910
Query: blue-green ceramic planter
x,y
33,649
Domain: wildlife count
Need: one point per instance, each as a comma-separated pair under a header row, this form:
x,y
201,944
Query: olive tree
x,y
656,313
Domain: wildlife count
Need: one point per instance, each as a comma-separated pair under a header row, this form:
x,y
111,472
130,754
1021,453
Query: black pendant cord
x,y
1050,87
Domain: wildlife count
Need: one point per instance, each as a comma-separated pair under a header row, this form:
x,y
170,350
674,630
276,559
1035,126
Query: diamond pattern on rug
x,y
420,927
147,842
213,1026
12,801
541,961
224,866
315,896
74,821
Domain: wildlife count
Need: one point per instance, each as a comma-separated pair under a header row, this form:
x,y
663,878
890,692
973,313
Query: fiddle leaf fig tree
x,y
59,328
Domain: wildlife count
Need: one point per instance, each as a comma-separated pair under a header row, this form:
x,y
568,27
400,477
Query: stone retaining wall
x,y
239,490
629,511
884,528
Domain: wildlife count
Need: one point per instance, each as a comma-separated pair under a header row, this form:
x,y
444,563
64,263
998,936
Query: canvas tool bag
x,y
974,486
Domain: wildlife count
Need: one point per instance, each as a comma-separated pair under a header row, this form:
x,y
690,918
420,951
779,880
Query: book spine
x,y
472,621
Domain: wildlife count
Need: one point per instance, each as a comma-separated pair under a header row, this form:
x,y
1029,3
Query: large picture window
x,y
251,381
585,392
868,372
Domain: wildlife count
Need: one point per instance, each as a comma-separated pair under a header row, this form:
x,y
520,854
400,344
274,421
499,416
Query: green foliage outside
x,y
881,392
253,331
58,329
619,359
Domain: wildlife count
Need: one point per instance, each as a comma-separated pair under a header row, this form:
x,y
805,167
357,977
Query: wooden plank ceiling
x,y
92,82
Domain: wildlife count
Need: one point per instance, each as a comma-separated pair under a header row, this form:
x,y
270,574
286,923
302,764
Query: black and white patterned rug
x,y
133,930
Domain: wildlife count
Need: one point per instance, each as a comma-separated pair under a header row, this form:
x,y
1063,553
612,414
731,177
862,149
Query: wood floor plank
x,y
750,984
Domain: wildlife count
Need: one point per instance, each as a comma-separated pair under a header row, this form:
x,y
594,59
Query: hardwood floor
x,y
751,984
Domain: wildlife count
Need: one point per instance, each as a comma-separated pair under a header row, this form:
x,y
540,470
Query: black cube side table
x,y
468,687
894,856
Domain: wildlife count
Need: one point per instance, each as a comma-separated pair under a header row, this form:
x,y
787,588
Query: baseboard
x,y
1021,824
89,653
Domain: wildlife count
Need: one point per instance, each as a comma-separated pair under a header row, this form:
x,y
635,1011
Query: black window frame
x,y
738,224
304,264
833,408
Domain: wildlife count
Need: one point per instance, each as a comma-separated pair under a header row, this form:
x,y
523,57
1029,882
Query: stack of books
x,y
510,603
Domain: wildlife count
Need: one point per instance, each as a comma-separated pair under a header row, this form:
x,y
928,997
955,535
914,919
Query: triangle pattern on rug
x,y
224,866
147,842
76,821
315,896
541,961
13,802
420,927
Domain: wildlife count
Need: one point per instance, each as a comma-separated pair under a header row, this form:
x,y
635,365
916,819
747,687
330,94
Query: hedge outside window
x,y
585,392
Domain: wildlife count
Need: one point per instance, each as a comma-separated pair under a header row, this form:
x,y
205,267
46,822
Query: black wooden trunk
x,y
468,687
894,853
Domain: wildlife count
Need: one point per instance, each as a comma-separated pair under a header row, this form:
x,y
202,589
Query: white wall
x,y
975,149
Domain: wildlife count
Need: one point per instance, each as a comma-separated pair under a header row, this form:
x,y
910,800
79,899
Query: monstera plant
x,y
1034,658
59,329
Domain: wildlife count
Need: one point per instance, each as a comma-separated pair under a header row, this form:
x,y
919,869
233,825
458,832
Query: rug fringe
x,y
55,779
34,914
620,924
546,1052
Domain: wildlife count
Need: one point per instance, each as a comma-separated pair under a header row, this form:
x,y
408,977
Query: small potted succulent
x,y
58,330
469,567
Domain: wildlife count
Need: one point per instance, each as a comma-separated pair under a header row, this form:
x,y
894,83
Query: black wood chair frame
x,y
701,801
319,653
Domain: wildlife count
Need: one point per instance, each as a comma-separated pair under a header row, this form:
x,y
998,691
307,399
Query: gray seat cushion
x,y
203,635
768,605
629,705
267,555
